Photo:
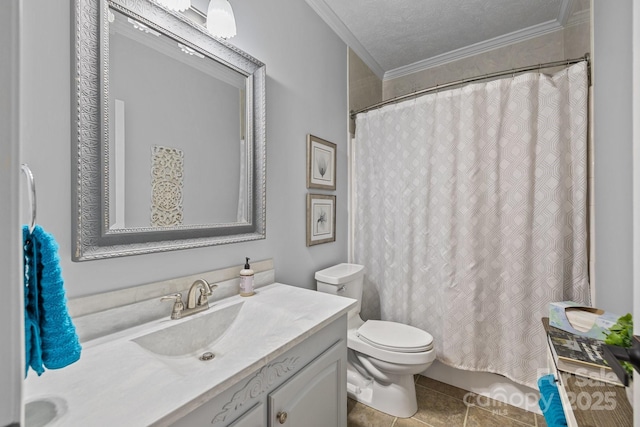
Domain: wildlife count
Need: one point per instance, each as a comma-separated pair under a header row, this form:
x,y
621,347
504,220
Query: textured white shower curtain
x,y
470,215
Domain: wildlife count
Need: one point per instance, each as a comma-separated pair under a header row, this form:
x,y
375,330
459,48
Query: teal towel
x,y
550,402
50,336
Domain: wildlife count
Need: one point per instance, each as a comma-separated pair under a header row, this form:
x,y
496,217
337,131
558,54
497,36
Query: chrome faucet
x,y
179,310
205,291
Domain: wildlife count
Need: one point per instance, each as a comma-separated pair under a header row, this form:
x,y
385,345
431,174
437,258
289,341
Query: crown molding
x,y
475,49
582,17
565,18
335,23
565,11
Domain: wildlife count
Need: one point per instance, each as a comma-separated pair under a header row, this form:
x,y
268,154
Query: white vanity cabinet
x,y
304,387
313,397
282,350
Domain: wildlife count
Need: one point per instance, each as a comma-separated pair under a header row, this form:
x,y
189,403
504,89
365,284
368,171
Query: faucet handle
x,y
204,293
202,299
173,297
178,305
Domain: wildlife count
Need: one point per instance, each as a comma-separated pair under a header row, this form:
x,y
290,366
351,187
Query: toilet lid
x,y
394,336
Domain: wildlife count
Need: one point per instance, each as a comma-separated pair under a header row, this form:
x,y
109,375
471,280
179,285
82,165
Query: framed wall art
x,y
321,163
321,219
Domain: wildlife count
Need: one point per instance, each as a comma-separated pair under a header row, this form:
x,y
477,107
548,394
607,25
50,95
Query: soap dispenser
x,y
246,280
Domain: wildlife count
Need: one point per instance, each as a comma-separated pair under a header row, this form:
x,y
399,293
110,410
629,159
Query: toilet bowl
x,y
383,356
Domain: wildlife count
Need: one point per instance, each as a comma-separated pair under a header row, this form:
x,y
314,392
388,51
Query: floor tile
x,y
438,409
478,417
441,404
409,422
506,410
359,415
540,421
447,389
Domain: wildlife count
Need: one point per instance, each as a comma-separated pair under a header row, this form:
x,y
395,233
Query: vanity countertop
x,y
118,382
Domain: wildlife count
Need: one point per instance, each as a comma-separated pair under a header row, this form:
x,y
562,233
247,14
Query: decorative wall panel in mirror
x,y
170,144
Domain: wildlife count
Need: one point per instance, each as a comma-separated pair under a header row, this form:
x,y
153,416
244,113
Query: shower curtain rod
x,y
513,71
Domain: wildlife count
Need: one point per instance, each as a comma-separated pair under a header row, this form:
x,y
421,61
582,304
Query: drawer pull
x,y
282,417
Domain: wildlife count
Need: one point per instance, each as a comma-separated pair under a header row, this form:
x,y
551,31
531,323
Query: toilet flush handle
x,y
341,289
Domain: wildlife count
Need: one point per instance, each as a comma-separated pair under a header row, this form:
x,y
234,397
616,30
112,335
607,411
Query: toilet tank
x,y
343,279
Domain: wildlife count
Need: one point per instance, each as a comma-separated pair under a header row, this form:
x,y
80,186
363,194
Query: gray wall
x,y
613,154
11,314
306,93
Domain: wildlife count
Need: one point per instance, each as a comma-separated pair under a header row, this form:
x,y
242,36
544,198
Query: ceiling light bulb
x,y
220,19
179,5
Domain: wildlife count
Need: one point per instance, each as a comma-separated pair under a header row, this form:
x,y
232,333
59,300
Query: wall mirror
x,y
170,126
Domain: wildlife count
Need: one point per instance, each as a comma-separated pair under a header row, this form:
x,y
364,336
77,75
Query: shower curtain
x,y
470,215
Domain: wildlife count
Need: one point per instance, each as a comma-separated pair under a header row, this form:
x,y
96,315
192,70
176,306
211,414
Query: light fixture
x,y
220,19
189,51
140,26
179,5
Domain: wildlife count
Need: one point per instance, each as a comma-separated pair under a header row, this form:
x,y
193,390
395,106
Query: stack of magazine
x,y
580,355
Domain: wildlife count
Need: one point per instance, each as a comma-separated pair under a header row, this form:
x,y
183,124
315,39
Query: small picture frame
x,y
321,219
321,163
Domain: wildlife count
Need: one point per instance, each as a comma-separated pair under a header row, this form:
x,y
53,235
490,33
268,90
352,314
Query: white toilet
x,y
383,356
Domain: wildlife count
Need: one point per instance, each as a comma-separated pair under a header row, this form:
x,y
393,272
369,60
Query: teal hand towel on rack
x,y
50,336
550,402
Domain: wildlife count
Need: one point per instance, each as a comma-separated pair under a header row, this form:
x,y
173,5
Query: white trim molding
x,y
581,17
475,49
565,12
565,18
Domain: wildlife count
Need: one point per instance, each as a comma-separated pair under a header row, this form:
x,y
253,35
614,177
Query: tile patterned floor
x,y
443,405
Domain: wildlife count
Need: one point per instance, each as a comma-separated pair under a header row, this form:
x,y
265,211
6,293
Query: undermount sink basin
x,y
191,335
41,412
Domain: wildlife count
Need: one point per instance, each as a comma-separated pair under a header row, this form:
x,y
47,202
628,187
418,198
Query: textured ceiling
x,y
391,34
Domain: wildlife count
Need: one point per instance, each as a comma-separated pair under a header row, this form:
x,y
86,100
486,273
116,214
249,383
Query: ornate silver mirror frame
x,y
92,237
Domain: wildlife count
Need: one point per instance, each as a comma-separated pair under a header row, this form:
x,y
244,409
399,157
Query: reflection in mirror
x,y
159,154
170,133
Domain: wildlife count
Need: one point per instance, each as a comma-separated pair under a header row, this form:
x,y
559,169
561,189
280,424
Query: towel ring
x,y
32,195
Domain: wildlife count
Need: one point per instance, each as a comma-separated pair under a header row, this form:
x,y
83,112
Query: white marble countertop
x,y
117,382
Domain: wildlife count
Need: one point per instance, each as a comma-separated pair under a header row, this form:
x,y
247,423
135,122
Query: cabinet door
x,y
315,396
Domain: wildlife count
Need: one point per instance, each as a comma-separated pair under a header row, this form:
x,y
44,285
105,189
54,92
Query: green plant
x,y
621,334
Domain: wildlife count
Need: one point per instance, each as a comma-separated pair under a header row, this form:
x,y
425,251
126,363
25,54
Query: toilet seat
x,y
395,337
